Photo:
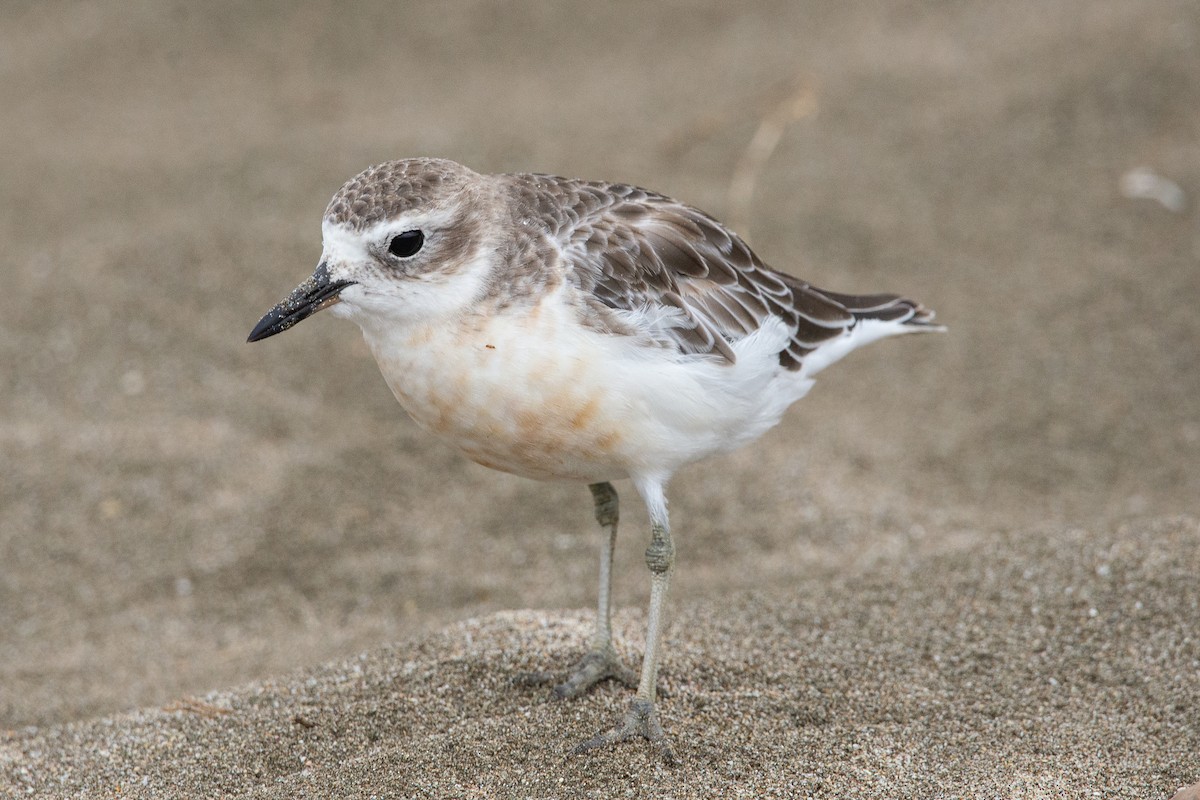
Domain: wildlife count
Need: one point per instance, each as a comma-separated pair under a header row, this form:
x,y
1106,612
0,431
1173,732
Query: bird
x,y
585,331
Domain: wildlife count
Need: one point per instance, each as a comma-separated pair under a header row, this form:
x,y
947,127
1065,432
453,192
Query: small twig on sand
x,y
800,102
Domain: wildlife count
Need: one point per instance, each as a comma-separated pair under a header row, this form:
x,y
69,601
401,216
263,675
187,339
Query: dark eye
x,y
407,244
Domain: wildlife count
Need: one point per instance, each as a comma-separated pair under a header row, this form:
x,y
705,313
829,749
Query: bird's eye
x,y
407,244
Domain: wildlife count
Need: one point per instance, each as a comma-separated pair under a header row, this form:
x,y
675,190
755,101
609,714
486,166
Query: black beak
x,y
308,298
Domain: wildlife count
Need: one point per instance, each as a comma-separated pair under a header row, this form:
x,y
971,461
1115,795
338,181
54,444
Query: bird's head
x,y
404,240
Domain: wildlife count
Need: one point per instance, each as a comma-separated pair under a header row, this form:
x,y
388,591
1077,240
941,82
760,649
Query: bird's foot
x,y
640,721
596,666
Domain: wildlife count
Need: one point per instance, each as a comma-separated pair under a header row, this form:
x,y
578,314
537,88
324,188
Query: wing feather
x,y
632,250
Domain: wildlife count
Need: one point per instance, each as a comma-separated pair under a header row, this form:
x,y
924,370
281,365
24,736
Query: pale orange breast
x,y
508,400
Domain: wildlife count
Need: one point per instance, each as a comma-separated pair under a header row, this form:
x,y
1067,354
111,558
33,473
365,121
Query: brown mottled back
x,y
630,248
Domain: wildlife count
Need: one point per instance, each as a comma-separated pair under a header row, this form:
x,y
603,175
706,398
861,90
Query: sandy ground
x,y
964,566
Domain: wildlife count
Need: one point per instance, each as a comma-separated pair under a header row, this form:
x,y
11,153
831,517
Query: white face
x,y
422,265
405,242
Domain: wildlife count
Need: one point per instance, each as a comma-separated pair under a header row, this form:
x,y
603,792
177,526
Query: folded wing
x,y
637,251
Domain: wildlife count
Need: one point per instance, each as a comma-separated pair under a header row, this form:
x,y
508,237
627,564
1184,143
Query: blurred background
x,y
181,511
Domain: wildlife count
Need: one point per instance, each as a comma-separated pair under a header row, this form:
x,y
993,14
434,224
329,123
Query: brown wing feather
x,y
633,249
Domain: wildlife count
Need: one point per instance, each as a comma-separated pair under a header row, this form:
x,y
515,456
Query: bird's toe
x,y
596,666
640,722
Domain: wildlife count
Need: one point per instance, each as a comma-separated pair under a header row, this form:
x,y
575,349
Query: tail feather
x,y
885,307
876,316
827,325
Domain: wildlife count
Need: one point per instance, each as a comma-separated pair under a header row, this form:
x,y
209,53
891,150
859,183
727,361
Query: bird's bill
x,y
308,298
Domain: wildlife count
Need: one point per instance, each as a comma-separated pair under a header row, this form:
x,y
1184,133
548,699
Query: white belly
x,y
535,394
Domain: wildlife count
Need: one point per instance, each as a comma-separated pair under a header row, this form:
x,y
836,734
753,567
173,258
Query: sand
x,y
965,565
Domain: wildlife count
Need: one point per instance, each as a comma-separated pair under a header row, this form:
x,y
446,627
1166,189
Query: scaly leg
x,y
601,661
642,718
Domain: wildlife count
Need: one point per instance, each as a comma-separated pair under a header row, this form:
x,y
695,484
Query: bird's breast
x,y
519,392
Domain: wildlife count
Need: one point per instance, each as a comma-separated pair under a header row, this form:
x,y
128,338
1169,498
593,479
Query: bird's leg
x,y
642,718
601,661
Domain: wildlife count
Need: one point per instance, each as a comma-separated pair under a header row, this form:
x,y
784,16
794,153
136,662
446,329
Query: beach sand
x,y
965,565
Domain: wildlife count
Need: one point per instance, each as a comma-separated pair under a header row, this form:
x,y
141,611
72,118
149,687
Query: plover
x,y
574,330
